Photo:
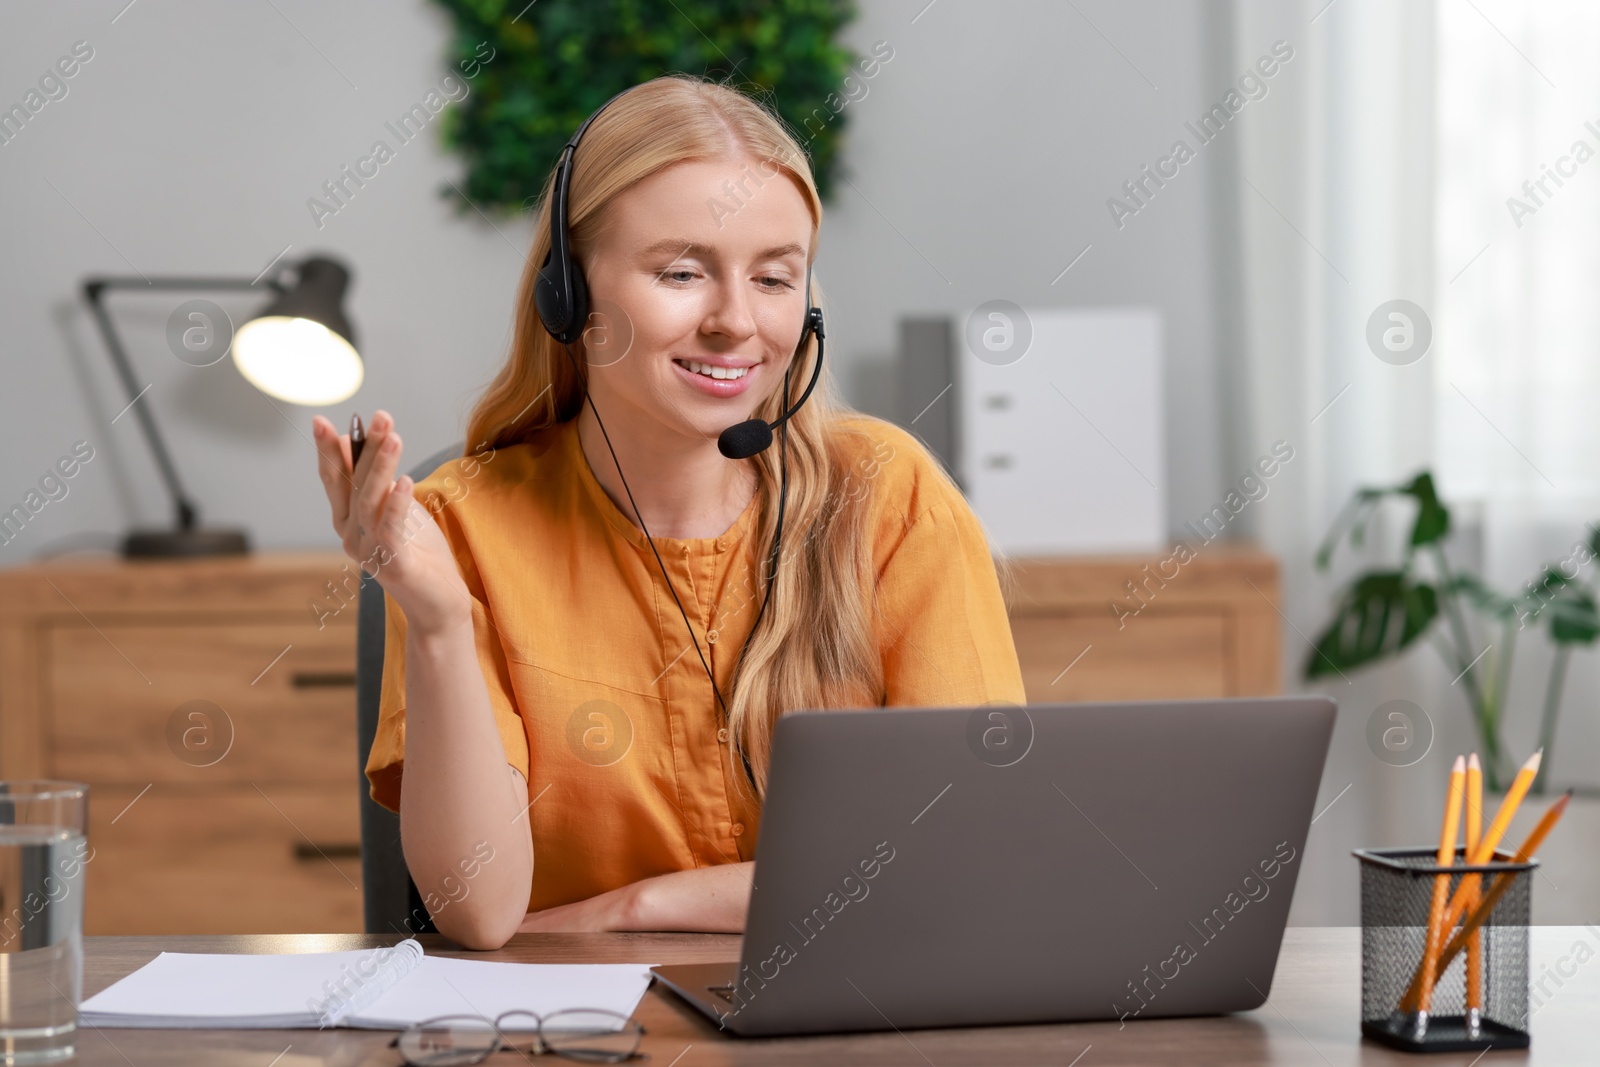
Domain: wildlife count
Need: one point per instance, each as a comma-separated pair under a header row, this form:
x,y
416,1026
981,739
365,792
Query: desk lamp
x,y
300,348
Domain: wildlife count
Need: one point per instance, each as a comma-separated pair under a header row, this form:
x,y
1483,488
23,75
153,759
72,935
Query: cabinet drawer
x,y
1152,657
120,711
238,860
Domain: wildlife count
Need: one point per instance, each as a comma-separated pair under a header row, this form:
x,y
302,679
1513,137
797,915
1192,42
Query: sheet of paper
x,y
202,990
206,989
443,986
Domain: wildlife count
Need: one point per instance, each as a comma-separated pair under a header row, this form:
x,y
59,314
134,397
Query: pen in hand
x,y
358,438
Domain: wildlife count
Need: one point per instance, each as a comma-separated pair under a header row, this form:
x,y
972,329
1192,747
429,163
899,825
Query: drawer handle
x,y
322,679
306,850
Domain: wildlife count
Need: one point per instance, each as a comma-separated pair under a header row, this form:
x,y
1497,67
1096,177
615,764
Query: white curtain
x,y
1517,378
1519,360
1378,171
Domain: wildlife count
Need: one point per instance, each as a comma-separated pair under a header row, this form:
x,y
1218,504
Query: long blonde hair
x,y
815,646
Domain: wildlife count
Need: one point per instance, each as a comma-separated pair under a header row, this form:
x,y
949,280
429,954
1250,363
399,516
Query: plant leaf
x,y
1574,617
1433,518
1432,522
1380,614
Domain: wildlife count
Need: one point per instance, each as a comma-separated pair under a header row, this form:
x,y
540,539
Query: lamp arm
x,y
93,288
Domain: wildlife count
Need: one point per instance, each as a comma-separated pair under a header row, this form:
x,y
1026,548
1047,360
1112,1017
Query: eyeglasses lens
x,y
591,1036
452,1042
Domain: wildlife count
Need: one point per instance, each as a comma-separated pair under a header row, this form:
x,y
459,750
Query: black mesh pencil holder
x,y
1397,892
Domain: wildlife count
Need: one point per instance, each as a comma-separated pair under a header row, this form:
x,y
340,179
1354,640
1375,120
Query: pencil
x,y
1475,942
1483,854
1441,883
1508,808
1480,914
358,439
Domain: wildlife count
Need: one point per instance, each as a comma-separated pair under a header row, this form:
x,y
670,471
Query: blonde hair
x,y
815,647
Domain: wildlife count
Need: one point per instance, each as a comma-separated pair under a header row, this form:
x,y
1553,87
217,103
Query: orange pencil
x,y
1508,808
1502,882
1475,942
1483,854
1441,883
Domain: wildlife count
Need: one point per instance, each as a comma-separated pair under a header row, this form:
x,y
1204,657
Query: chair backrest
x,y
390,899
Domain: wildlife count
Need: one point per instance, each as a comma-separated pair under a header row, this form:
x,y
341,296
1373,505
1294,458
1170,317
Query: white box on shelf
x,y
1063,447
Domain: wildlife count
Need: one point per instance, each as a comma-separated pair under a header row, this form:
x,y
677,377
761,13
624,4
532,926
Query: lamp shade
x,y
301,347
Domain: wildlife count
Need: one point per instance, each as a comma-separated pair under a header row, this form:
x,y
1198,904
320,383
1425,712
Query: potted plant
x,y
1384,611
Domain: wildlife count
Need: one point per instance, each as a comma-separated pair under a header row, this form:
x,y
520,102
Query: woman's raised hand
x,y
385,531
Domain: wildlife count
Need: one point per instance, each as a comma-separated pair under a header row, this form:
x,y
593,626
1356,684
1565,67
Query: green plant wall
x,y
537,70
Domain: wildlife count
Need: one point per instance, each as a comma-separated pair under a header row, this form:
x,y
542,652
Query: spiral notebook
x,y
372,989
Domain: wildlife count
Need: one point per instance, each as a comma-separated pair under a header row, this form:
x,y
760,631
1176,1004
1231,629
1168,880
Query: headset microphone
x,y
753,436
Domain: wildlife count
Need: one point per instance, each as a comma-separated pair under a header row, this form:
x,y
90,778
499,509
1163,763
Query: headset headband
x,y
559,259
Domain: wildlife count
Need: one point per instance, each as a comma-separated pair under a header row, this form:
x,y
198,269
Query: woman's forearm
x,y
711,899
460,800
706,899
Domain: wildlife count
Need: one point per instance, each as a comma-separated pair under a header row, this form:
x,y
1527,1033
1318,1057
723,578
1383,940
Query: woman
x,y
542,693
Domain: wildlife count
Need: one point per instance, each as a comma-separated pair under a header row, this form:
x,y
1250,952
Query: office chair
x,y
390,900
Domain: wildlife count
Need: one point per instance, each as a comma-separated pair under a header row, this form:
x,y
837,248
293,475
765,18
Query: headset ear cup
x,y
549,301
580,305
564,319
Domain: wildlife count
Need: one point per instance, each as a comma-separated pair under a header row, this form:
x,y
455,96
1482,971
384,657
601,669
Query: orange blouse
x,y
600,699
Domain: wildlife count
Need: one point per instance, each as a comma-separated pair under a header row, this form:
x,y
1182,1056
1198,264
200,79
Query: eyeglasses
x,y
589,1035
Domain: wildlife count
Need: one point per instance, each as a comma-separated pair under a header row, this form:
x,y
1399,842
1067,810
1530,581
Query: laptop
x,y
932,867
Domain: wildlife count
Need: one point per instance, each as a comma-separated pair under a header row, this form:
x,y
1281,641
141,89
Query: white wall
x,y
192,139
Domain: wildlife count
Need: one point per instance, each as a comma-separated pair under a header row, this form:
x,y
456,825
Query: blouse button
x,y
738,829
722,736
711,636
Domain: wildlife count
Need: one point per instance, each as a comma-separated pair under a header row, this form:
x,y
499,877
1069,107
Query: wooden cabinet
x,y
210,705
1137,627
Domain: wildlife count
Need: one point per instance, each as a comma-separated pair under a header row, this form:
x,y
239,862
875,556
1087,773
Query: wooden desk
x,y
1310,1017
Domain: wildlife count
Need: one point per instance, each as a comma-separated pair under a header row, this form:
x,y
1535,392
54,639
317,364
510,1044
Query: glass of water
x,y
43,850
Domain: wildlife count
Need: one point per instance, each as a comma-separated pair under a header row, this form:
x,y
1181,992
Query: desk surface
x,y
1311,1016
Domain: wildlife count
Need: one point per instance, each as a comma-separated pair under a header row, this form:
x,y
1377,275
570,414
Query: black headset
x,y
561,297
